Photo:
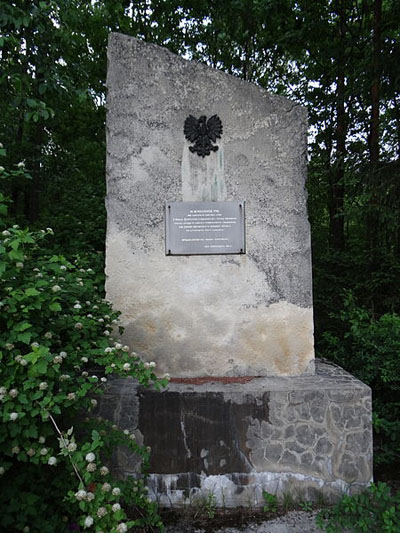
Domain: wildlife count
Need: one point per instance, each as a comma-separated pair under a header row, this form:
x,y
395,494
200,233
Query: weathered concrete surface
x,y
206,315
307,434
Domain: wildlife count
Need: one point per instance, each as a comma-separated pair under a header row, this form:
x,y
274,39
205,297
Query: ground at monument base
x,y
291,522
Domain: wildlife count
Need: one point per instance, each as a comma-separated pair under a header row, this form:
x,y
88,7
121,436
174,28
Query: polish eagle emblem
x,y
203,133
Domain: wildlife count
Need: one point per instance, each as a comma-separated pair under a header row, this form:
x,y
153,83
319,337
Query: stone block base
x,y
308,435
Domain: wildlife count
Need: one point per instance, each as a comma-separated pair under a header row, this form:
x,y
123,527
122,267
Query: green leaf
x,y
25,337
22,398
39,368
16,255
23,326
55,306
32,292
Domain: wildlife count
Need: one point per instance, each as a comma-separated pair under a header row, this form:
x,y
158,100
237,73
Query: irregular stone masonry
x,y
309,435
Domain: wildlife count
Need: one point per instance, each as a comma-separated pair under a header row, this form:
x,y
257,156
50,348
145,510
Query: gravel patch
x,y
292,522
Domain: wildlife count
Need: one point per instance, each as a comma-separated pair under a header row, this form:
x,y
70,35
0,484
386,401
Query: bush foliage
x,y
369,348
376,509
59,346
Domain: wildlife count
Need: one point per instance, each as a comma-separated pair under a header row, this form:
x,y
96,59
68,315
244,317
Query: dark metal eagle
x,y
203,133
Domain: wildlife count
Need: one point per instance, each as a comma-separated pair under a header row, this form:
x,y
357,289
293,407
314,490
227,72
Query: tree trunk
x,y
336,226
373,138
33,197
375,85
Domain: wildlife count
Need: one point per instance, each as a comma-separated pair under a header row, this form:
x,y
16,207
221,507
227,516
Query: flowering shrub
x,y
57,350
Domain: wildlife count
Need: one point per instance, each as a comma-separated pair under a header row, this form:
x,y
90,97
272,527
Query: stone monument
x,y
208,257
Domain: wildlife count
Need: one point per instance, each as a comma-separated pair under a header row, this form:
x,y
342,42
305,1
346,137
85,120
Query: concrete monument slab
x,y
206,315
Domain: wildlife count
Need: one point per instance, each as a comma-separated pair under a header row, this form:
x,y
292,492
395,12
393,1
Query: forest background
x,y
339,58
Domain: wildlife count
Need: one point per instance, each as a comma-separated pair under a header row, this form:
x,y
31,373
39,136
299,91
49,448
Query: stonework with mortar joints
x,y
310,436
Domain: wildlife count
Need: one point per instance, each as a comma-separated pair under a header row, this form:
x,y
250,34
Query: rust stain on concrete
x,y
211,379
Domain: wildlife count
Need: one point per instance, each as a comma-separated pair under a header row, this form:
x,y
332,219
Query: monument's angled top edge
x,y
115,37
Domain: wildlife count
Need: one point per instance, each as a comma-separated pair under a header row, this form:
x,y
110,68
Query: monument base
x,y
234,438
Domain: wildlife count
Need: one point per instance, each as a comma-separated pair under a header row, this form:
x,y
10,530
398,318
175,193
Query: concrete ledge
x,y
311,435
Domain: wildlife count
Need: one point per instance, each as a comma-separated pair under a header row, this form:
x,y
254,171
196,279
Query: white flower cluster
x,y
101,511
88,521
80,495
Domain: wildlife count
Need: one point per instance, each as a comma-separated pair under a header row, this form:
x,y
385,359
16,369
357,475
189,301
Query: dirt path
x,y
292,522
